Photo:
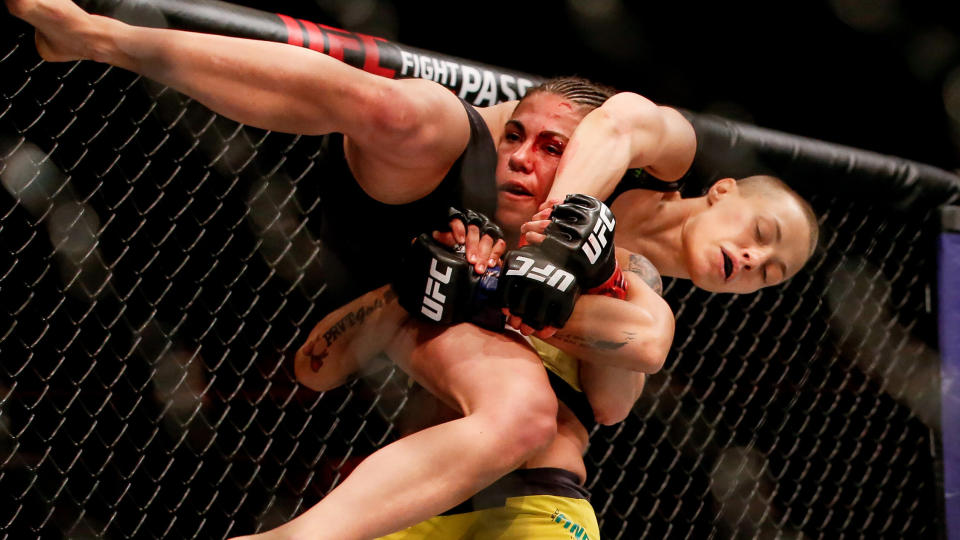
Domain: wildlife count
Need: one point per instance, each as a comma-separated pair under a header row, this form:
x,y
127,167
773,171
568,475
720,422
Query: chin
x,y
510,215
510,220
706,285
707,281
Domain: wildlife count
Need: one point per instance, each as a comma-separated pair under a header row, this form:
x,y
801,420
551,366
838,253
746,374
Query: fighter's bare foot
x,y
63,28
346,341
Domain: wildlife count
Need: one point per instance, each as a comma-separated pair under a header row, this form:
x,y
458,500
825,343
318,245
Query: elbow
x,y
607,410
655,361
627,114
610,414
654,356
636,121
653,351
612,407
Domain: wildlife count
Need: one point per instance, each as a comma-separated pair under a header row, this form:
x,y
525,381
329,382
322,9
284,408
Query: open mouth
x,y
727,265
517,189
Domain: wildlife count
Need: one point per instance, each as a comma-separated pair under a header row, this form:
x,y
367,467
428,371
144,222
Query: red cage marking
x,y
316,38
340,40
371,60
294,33
334,42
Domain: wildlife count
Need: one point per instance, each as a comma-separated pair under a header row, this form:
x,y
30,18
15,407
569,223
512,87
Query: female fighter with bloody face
x,y
768,231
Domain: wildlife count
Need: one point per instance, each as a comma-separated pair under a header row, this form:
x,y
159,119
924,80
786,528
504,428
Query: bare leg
x,y
510,411
347,339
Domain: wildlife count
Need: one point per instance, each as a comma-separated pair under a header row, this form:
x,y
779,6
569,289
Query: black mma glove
x,y
437,283
580,239
579,247
470,217
533,287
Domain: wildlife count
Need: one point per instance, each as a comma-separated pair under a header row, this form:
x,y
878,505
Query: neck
x,y
657,233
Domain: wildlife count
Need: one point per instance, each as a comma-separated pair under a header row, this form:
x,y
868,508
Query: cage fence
x,y
159,265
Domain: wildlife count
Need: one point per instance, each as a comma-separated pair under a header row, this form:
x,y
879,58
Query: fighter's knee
x,y
527,424
537,431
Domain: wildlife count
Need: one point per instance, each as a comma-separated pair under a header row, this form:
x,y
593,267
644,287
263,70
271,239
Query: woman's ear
x,y
720,189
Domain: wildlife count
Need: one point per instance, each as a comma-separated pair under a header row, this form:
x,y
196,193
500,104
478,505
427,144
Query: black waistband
x,y
522,483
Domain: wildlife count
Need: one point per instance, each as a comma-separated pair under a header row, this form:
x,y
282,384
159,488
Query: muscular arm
x,y
634,334
628,131
410,131
611,390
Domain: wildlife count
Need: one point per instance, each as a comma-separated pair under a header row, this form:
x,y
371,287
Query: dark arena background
x,y
159,267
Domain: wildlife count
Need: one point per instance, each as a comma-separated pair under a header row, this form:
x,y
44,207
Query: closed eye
x,y
774,273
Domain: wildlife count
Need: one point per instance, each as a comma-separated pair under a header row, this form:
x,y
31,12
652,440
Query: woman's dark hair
x,y
576,89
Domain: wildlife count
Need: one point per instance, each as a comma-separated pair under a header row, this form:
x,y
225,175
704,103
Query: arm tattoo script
x,y
642,266
348,321
357,317
583,341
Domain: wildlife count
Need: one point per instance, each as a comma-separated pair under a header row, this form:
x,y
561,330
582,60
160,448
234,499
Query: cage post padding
x,y
949,323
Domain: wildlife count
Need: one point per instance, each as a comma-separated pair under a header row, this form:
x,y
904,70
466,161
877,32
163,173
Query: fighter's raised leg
x,y
510,414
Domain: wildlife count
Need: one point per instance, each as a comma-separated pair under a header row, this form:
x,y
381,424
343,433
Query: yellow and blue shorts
x,y
537,503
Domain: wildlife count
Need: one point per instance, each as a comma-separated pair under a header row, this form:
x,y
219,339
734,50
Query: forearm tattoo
x,y
590,343
348,321
316,360
642,266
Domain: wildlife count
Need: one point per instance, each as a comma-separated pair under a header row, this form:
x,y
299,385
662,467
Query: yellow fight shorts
x,y
538,503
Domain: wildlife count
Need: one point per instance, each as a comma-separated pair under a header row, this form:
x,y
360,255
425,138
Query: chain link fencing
x,y
159,267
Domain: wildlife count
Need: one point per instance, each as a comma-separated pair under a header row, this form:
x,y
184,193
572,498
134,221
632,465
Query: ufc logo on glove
x,y
558,278
598,240
433,299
